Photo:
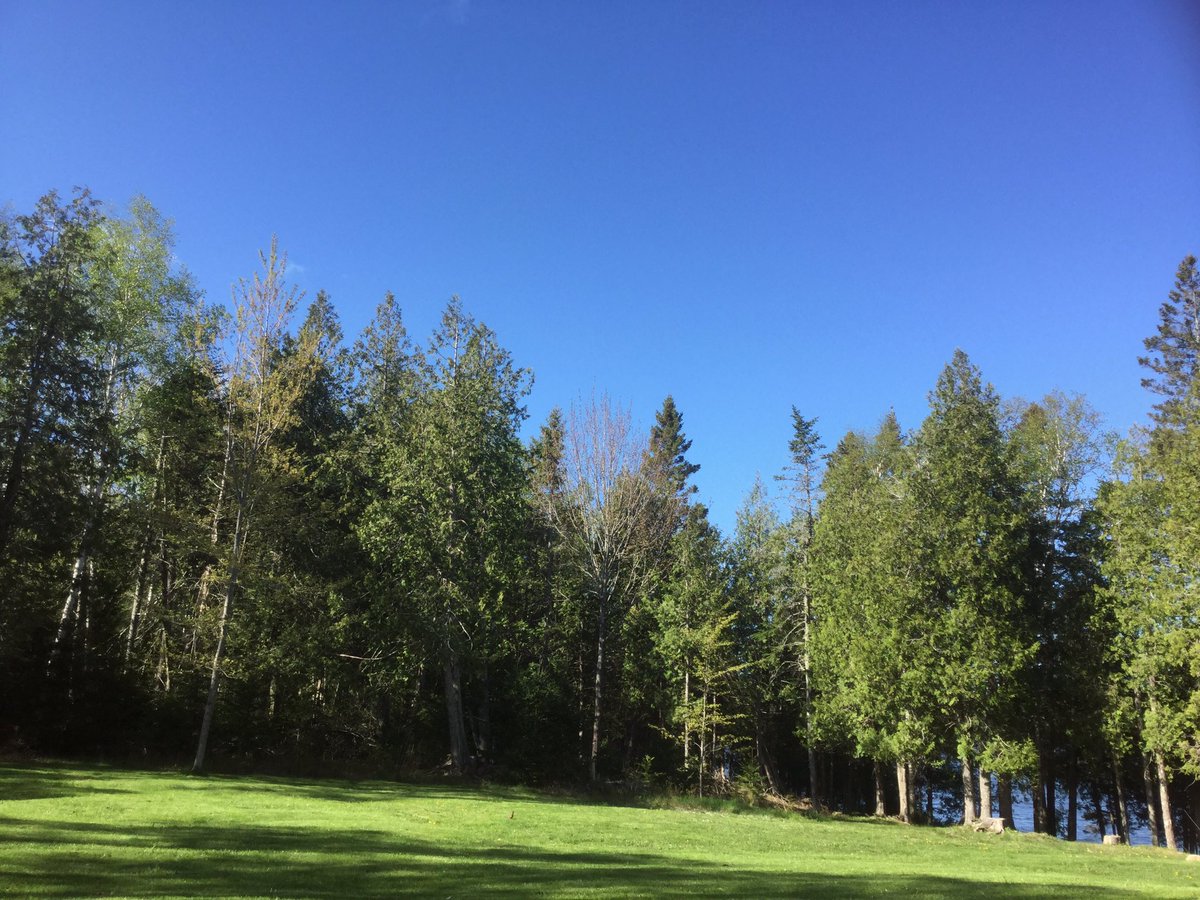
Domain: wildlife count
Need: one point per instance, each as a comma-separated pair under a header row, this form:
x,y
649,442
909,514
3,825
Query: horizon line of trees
x,y
228,533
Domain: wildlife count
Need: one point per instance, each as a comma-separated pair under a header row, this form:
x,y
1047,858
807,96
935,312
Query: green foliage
x,y
454,505
668,450
972,538
353,551
872,663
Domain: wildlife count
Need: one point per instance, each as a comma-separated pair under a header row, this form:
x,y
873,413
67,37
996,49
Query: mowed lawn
x,y
86,831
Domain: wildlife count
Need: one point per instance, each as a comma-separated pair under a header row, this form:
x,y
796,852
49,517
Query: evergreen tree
x,y
668,450
759,582
454,511
972,543
1151,511
870,660
1173,352
801,474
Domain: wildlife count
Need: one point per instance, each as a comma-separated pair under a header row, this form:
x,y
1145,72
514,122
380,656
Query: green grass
x,y
71,831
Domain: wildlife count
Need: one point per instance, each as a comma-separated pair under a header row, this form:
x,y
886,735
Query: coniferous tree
x,y
870,660
801,474
454,509
759,583
1151,511
668,450
972,539
1057,447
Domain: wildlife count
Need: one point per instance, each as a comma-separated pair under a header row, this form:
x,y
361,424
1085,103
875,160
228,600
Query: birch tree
x,y
262,389
615,523
141,295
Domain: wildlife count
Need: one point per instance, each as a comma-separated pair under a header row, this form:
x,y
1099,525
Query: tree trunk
x,y
452,689
597,686
144,582
1151,800
985,793
140,585
1072,801
70,607
765,760
1038,798
483,742
687,696
968,786
1191,837
1122,819
214,683
928,797
1049,809
814,785
903,789
1098,810
214,532
880,806
1005,800
1164,796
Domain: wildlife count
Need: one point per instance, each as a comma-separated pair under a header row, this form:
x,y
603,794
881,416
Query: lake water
x,y
1023,818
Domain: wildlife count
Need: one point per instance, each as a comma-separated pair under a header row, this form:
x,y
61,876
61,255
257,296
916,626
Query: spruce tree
x,y
668,450
801,474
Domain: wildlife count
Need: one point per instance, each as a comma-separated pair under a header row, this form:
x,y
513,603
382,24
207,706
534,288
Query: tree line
x,y
226,533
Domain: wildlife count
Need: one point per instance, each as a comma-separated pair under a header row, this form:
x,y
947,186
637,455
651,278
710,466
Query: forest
x,y
233,538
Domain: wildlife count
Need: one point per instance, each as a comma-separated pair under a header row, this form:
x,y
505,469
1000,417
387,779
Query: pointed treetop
x,y
669,447
805,443
547,452
1174,352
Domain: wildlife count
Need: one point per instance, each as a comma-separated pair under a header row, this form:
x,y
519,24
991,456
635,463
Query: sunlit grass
x,y
71,831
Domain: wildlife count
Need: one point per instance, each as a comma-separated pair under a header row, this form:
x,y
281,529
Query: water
x,y
1086,829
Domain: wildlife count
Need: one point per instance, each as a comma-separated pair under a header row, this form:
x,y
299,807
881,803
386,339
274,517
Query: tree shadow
x,y
39,783
92,858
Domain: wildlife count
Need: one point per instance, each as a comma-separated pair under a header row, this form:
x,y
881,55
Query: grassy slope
x,y
88,831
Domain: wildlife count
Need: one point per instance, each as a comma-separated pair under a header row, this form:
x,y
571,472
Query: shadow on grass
x,y
21,781
38,783
39,857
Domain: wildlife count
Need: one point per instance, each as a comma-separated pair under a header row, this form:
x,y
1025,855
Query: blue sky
x,y
748,205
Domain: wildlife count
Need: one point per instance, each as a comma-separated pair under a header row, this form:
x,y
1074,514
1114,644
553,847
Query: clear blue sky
x,y
747,205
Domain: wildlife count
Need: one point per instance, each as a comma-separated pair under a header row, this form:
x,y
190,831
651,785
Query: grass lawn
x,y
71,831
